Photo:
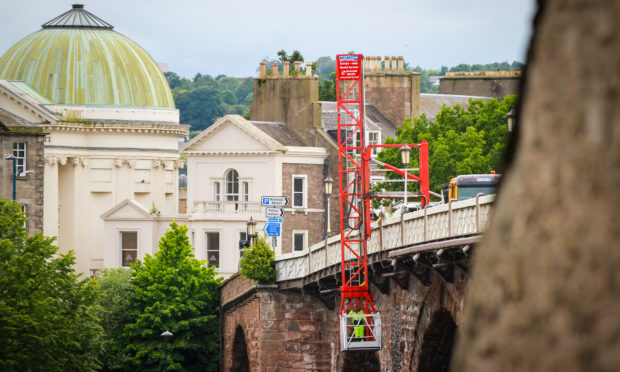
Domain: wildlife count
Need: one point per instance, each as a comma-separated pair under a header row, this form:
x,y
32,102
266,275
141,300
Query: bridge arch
x,y
240,361
436,343
354,361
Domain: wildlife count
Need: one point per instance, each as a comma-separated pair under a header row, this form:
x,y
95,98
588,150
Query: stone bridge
x,y
418,266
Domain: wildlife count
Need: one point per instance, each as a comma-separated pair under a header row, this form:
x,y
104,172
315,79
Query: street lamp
x,y
510,116
14,158
328,184
251,230
166,335
405,153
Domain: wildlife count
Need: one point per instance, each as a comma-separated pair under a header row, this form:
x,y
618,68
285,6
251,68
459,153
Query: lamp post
x,y
251,229
510,116
14,158
166,335
405,153
328,184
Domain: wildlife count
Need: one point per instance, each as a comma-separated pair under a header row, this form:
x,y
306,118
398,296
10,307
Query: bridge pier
x,y
266,328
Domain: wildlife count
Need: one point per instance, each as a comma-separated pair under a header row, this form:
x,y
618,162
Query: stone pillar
x,y
308,68
274,69
262,69
50,198
285,69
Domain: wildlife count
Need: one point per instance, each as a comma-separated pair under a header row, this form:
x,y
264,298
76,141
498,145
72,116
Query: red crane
x,y
360,323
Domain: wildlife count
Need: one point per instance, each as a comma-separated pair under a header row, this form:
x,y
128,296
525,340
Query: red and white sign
x,y
349,66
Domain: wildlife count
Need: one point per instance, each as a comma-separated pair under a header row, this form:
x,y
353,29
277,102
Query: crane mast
x,y
360,323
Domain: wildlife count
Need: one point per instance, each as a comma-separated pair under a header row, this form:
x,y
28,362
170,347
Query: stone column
x,y
50,196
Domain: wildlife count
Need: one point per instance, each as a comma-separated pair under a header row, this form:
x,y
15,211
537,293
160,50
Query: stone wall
x,y
292,330
395,93
313,218
481,86
29,186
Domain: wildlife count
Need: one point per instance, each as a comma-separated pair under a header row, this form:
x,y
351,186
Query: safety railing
x,y
360,331
458,218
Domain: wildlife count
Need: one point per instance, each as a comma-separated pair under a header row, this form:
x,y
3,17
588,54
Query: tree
x,y
327,88
461,141
48,316
173,291
200,106
114,290
258,262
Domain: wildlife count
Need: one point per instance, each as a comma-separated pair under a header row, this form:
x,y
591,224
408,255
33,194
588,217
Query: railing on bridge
x,y
458,218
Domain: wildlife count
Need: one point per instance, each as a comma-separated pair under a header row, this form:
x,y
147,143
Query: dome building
x,y
112,131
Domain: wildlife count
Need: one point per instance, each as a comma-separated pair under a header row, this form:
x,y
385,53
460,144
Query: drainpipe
x,y
325,201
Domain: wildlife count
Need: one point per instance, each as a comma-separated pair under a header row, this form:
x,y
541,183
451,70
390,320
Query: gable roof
x,y
242,124
431,104
279,132
136,210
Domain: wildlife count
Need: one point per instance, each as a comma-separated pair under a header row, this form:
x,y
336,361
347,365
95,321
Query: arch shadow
x,y
240,361
437,343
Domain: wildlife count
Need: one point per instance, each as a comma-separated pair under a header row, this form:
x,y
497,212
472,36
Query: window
x,y
243,235
300,240
357,143
246,189
232,185
374,138
299,191
129,247
25,211
19,151
217,192
213,249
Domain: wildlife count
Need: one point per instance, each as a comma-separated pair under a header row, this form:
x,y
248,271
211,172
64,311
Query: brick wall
x,y
30,186
485,86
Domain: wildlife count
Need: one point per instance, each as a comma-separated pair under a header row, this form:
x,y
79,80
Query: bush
x,y
258,262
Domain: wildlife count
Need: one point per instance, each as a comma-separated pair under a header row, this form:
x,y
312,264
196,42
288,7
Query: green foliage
x,y
172,291
48,317
327,88
200,106
258,262
460,141
115,290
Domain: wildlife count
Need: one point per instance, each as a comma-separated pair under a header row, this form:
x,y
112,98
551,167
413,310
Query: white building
x,y
113,129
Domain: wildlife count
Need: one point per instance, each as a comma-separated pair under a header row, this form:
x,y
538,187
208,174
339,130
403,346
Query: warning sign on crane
x,y
349,66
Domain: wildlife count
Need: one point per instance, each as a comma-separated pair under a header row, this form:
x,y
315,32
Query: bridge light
x,y
416,257
440,252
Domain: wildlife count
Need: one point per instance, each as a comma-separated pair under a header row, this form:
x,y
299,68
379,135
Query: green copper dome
x,y
77,59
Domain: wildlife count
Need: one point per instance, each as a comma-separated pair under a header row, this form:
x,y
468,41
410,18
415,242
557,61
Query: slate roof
x,y
431,104
278,132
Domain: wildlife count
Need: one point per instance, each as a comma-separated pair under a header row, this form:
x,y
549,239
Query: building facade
x,y
113,129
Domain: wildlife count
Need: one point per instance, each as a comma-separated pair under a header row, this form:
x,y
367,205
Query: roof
x,y
431,104
375,120
278,132
77,59
12,120
77,17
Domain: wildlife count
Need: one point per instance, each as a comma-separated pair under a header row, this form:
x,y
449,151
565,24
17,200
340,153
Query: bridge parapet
x,y
459,218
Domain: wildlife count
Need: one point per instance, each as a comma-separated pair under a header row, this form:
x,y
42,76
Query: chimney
x,y
401,63
262,69
297,66
308,68
285,69
274,69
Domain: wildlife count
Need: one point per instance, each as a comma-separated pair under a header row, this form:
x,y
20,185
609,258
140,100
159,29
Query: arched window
x,y
232,185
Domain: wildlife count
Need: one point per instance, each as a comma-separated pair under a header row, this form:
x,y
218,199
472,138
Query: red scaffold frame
x,y
354,159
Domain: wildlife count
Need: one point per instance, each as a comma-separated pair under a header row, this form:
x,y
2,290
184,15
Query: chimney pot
x,y
308,68
285,69
393,67
386,63
297,66
401,63
274,69
262,69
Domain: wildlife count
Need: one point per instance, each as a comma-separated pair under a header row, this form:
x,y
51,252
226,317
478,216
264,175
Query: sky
x,y
231,37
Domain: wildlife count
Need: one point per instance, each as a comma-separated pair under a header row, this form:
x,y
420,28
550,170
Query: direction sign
x,y
274,220
274,201
272,229
274,212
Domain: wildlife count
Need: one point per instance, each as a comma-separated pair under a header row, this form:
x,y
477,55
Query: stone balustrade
x,y
444,221
227,207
